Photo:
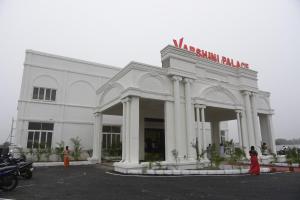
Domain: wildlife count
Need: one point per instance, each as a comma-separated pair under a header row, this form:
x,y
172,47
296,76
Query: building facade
x,y
161,111
58,99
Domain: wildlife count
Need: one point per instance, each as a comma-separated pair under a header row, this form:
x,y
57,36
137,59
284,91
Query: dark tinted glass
x,y
41,93
35,93
53,95
30,139
43,140
106,129
118,140
49,140
34,126
115,129
108,140
114,140
47,126
48,92
104,141
36,139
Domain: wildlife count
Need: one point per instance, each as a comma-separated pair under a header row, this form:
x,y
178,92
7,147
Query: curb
x,y
193,172
52,164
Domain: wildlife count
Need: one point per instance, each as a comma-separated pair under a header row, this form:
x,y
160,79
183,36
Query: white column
x,y
127,134
249,118
271,137
203,129
124,130
188,113
255,121
97,139
170,136
134,130
245,139
238,117
198,121
180,139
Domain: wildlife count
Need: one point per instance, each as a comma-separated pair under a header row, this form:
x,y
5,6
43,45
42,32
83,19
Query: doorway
x,y
154,144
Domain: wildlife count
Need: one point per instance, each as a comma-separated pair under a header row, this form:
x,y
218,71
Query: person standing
x,y
66,157
254,166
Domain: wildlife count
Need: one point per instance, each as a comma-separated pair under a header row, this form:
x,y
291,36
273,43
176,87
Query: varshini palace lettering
x,y
210,55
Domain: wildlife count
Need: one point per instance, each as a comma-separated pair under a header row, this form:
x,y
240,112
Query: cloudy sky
x,y
263,33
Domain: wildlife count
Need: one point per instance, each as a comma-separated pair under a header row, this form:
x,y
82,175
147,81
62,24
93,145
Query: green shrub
x,y
77,149
59,151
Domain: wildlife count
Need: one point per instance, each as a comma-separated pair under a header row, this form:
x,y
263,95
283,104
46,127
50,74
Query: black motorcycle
x,y
8,177
25,167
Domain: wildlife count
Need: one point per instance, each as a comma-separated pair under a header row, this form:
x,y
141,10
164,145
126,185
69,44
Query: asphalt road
x,y
93,182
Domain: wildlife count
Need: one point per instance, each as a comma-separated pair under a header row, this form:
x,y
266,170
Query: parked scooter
x,y
25,167
8,177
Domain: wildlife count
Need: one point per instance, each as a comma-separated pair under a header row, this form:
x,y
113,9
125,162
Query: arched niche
x,y
219,94
262,103
153,82
45,81
112,92
81,93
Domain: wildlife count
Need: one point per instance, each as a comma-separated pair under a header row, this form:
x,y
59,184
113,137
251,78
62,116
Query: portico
x,y
164,109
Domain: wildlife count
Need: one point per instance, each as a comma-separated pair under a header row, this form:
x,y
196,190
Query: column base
x,y
94,160
129,168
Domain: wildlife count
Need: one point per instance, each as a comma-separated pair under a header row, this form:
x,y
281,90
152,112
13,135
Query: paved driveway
x,y
92,182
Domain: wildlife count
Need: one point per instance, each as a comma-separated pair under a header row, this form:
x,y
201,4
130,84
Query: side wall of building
x,y
72,110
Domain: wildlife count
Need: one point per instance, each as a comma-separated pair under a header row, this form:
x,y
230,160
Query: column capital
x,y
238,111
176,78
246,92
97,114
253,94
188,80
126,99
200,106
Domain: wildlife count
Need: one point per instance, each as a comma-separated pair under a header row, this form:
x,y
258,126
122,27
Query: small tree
x,y
38,152
216,159
48,152
76,148
237,155
59,150
293,155
196,147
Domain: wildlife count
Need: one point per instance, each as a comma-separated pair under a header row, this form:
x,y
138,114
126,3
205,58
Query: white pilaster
x,y
134,130
124,140
203,129
245,138
97,138
180,137
198,121
257,134
188,112
170,136
238,117
271,137
249,118
127,126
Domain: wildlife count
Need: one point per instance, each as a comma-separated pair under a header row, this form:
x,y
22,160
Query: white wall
x,y
75,82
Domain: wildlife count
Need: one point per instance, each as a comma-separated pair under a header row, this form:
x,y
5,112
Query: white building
x,y
160,109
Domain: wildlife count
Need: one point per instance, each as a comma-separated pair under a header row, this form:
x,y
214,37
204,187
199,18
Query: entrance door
x,y
154,144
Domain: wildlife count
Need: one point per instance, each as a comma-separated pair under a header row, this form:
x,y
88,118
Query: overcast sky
x,y
263,33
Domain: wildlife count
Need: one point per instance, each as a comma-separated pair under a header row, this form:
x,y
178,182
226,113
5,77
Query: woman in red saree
x,y
254,166
66,157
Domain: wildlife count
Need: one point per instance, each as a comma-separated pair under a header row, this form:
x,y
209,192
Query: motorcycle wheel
x,y
28,174
10,182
